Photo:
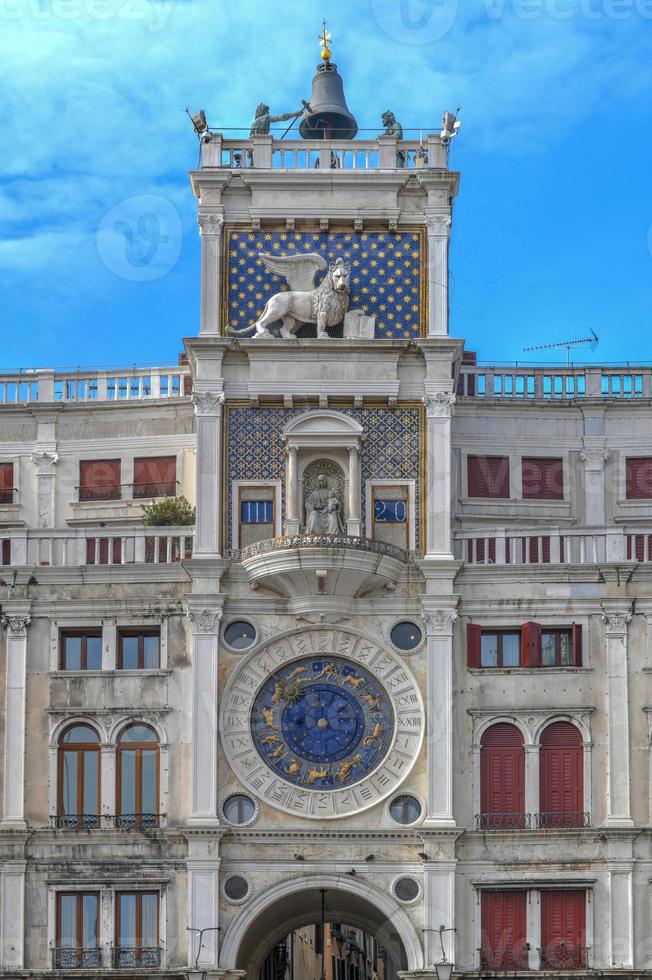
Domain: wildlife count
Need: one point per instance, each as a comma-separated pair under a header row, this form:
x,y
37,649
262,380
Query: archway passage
x,y
276,921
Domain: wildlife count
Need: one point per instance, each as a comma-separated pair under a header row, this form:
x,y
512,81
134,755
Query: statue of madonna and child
x,y
323,514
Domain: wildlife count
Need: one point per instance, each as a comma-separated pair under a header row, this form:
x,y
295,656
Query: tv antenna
x,y
567,344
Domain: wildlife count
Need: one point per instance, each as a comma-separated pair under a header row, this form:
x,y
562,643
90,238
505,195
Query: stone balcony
x,y
320,574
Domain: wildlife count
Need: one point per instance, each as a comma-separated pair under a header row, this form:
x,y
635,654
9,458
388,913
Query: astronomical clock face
x,y
322,723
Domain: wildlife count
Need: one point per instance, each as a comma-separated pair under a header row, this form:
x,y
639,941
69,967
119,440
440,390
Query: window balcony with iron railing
x,y
503,821
76,821
8,495
505,960
562,818
136,821
563,956
107,821
76,958
136,957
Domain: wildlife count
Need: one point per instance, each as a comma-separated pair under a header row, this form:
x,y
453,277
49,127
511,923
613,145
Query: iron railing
x,y
76,821
76,958
510,958
136,821
560,956
131,957
563,818
503,821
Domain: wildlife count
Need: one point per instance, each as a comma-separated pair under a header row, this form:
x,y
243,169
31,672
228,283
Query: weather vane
x,y
325,39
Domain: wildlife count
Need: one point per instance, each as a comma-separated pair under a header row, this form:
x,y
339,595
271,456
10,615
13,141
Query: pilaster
x,y
439,227
594,459
211,223
616,615
208,410
15,619
439,411
203,866
12,915
205,614
44,463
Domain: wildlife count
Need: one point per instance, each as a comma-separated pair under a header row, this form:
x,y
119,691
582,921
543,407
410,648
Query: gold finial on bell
x,y
325,39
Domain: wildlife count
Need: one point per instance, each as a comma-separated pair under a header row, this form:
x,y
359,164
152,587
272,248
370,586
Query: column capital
x,y
16,624
439,405
45,461
616,620
439,622
594,458
204,620
208,402
439,224
210,222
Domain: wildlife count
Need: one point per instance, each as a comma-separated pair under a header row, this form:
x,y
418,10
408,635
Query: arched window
x,y
502,778
561,776
137,778
78,804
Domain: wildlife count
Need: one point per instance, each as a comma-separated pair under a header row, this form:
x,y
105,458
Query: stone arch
x,y
296,902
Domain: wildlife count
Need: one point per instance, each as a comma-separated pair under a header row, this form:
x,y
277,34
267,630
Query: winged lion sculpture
x,y
324,305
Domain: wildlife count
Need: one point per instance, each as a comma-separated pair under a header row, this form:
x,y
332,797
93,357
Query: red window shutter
x,y
543,479
531,645
561,774
563,928
155,476
6,551
577,645
503,924
638,477
488,476
6,482
473,644
502,770
99,479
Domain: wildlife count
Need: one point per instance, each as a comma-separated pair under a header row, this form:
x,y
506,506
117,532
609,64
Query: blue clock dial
x,y
322,722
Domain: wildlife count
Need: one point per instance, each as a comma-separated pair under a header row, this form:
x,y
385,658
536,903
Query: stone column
x,y
621,914
531,780
44,463
594,460
15,623
616,616
439,720
292,515
438,226
203,866
210,229
354,521
12,915
439,910
439,410
208,532
205,621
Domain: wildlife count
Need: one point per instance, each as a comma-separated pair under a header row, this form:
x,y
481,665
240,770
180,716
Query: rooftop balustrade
x,y
343,155
549,383
63,547
554,546
132,384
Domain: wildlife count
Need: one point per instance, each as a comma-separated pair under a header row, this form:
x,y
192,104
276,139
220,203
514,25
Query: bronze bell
x,y
329,116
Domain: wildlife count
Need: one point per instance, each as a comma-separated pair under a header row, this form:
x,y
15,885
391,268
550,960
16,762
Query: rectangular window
x,y
80,649
543,478
488,476
503,943
391,514
500,649
155,476
6,483
256,511
99,479
638,477
563,930
137,930
556,648
77,943
139,649
529,646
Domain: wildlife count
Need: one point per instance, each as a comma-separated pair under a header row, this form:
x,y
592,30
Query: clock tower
x,y
322,602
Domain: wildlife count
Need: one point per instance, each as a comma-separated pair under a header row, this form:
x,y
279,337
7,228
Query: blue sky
x,y
552,229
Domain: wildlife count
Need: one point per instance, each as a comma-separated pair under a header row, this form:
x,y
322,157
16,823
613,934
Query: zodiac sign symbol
x,y
346,766
373,700
293,767
329,670
375,738
269,740
288,688
268,715
353,681
316,774
277,752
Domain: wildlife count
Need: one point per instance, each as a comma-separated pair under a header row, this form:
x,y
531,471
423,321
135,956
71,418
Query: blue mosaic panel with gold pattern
x,y
387,274
322,722
256,450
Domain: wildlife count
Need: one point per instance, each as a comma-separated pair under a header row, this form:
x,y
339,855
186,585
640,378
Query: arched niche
x,y
323,435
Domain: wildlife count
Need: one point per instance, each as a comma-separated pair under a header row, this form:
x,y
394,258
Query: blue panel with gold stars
x,y
387,277
322,722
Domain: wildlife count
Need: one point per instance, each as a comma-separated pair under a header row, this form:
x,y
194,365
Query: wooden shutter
x,y
502,772
488,476
577,645
638,477
6,482
531,645
561,775
473,645
503,918
155,476
542,478
563,928
99,479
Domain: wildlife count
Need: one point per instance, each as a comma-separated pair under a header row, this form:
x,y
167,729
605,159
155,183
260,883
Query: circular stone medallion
x,y
322,722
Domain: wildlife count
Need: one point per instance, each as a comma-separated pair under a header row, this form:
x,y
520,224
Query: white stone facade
x,y
579,560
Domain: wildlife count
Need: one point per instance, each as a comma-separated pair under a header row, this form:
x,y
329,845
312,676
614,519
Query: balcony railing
x,y
503,821
559,956
89,546
564,818
136,821
128,491
132,384
77,958
8,495
299,541
76,821
513,958
268,153
513,383
554,545
117,821
136,957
